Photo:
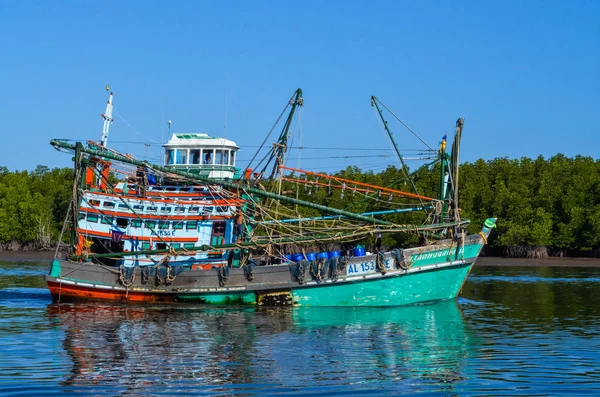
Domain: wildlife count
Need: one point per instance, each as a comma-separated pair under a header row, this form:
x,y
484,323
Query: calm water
x,y
514,331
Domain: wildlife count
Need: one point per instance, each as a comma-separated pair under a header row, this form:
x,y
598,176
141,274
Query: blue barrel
x,y
333,254
359,251
322,255
288,257
297,257
310,256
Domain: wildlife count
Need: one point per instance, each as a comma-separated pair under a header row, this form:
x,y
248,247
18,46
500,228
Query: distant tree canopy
x,y
33,204
552,203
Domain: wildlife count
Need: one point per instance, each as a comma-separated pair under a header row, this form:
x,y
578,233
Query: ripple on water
x,y
507,336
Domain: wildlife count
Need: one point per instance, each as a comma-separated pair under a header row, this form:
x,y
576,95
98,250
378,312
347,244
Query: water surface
x,y
514,331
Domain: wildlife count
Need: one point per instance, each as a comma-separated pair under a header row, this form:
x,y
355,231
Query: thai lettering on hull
x,y
437,254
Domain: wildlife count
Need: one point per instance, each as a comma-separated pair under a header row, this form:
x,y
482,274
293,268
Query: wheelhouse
x,y
202,154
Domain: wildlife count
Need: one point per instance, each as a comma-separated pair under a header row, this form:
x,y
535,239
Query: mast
x,y
449,174
107,116
455,157
80,166
443,194
76,193
374,102
281,145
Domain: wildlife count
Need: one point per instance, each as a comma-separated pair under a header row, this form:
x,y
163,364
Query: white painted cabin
x,y
202,154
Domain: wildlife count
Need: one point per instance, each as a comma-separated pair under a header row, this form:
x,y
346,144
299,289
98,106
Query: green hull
x,y
405,289
411,288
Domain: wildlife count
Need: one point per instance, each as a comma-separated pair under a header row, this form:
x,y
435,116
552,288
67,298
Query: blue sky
x,y
524,75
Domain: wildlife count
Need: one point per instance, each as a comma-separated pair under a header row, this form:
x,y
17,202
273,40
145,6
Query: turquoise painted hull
x,y
407,289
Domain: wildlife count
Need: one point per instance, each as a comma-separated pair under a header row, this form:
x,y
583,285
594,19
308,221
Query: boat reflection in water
x,y
422,341
194,348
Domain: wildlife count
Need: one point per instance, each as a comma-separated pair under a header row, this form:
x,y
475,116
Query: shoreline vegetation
x,y
546,208
491,261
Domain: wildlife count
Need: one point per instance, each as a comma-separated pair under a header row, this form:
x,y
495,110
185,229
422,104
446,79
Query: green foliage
x,y
552,202
33,204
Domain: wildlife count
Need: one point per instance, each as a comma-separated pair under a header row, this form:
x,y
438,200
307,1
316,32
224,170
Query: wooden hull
x,y
437,272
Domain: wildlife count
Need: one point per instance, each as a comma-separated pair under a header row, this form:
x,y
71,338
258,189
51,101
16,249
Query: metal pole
x,y
374,101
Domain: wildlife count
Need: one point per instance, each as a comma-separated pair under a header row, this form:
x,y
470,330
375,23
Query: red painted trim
x,y
190,202
169,194
93,210
78,292
141,238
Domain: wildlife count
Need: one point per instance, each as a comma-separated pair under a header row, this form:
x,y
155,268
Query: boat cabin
x,y
202,154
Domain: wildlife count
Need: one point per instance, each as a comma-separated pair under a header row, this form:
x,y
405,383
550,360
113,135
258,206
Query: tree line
x,y
544,206
33,205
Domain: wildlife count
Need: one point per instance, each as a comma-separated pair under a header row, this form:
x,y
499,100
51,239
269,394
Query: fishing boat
x,y
196,228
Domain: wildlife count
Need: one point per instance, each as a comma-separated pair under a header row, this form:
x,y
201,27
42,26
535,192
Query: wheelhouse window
x,y
207,156
179,210
194,210
163,224
221,156
92,218
109,204
188,245
150,224
122,222
81,215
192,225
145,246
232,158
151,209
170,157
107,220
181,156
178,225
195,156
136,223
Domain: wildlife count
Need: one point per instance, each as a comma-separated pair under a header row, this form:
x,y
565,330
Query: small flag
x,y
117,236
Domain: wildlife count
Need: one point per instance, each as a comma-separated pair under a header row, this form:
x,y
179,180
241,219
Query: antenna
x,y
107,116
226,95
170,127
162,117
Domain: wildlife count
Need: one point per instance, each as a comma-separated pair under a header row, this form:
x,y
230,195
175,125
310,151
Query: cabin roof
x,y
188,139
